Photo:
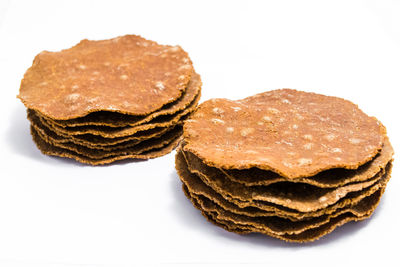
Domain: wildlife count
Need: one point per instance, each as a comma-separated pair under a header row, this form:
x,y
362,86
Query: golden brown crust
x,y
127,74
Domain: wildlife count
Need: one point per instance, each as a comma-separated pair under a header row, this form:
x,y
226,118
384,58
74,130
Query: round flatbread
x,y
295,134
127,74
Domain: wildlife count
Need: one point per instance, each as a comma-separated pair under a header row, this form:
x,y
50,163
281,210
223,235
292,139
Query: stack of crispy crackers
x,y
102,101
285,163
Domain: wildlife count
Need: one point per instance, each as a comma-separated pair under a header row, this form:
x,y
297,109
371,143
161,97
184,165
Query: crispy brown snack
x,y
91,141
48,149
210,217
293,133
329,178
289,164
135,149
297,196
306,236
127,74
115,119
280,226
115,132
198,187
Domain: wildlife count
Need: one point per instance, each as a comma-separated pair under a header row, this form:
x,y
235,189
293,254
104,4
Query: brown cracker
x,y
115,119
329,178
306,236
52,137
281,226
136,148
292,133
198,187
90,141
297,196
114,132
206,215
48,149
127,74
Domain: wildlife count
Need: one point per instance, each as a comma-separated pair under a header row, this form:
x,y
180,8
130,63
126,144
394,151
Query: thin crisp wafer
x,y
280,226
91,141
292,133
127,74
51,150
306,236
115,119
198,187
115,132
329,178
298,196
137,148
288,164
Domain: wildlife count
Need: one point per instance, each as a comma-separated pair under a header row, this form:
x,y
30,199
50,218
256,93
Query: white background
x,y
55,212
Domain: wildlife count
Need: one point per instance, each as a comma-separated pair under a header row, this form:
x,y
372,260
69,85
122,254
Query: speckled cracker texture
x,y
288,164
109,100
292,133
127,74
115,119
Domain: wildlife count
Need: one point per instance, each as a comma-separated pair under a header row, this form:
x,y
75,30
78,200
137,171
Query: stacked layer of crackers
x,y
285,163
102,101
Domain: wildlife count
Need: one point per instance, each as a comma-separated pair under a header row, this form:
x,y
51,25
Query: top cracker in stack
x,y
102,101
286,163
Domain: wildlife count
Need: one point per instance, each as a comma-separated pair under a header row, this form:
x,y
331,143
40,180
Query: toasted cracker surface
x,y
293,133
127,74
115,119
